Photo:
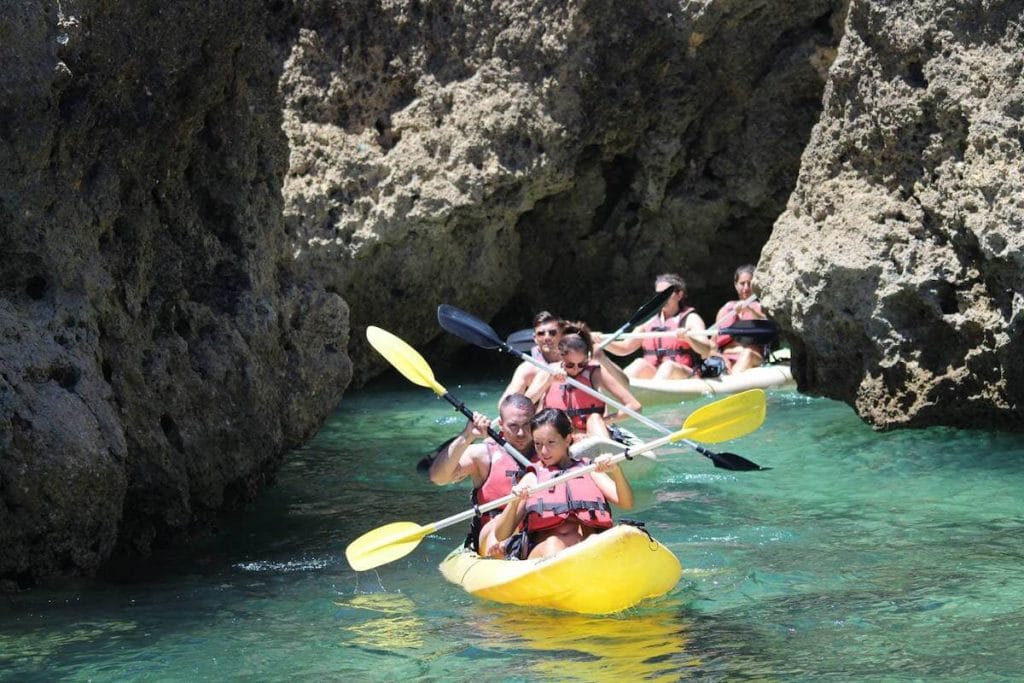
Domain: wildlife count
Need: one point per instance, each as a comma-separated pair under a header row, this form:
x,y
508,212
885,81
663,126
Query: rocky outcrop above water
x,y
158,350
898,266
513,156
193,198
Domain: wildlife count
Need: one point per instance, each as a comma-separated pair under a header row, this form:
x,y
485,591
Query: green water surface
x,y
859,557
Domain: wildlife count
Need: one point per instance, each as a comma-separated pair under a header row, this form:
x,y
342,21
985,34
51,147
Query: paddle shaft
x,y
588,390
710,332
612,402
509,448
641,314
572,474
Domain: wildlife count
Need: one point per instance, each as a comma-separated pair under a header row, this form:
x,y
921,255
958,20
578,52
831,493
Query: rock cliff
x,y
158,353
897,266
193,198
513,156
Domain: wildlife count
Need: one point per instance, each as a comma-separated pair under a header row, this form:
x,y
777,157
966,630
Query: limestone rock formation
x,y
158,352
511,156
898,265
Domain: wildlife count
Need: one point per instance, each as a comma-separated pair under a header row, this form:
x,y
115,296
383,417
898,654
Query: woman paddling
x,y
739,353
586,412
668,357
559,517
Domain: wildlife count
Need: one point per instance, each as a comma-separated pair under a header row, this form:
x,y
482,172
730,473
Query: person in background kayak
x,y
559,517
739,354
492,470
668,357
548,329
587,413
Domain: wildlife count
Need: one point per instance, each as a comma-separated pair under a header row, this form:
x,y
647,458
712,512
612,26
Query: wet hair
x,y
556,417
677,282
520,401
745,268
576,333
547,317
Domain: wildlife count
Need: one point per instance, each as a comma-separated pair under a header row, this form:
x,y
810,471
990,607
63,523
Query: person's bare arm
x,y
506,522
620,347
606,381
520,382
462,457
612,482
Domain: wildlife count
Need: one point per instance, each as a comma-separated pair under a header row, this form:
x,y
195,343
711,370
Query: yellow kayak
x,y
607,572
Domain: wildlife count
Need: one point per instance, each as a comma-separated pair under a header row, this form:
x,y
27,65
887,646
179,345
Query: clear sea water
x,y
860,557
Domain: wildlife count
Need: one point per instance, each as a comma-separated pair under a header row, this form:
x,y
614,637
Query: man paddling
x,y
492,470
548,329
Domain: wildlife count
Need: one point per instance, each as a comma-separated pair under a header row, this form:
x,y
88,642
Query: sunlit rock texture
x,y
897,266
513,156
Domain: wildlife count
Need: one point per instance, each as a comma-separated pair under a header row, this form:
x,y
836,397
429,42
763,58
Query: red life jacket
x,y
537,354
727,316
656,351
576,404
577,498
502,474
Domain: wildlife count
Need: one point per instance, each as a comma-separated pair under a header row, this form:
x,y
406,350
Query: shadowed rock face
x,y
898,264
511,156
158,354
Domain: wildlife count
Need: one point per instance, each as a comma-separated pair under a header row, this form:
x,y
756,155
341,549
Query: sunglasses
x,y
546,333
569,366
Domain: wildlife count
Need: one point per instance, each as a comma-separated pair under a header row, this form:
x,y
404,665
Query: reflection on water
x,y
572,647
392,622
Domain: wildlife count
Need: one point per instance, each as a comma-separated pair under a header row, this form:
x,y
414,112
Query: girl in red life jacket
x,y
666,357
739,355
587,413
556,518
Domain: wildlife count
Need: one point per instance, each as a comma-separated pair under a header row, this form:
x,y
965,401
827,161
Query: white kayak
x,y
653,391
591,447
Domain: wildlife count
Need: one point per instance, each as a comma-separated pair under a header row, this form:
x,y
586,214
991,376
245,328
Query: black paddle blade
x,y
468,327
752,331
648,309
731,461
521,340
423,466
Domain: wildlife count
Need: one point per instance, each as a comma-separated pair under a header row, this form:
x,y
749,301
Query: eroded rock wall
x,y
516,155
898,265
158,353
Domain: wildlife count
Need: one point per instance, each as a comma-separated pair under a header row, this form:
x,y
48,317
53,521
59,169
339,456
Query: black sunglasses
x,y
569,366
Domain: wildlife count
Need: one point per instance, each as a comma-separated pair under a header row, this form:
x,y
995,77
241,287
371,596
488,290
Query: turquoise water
x,y
860,556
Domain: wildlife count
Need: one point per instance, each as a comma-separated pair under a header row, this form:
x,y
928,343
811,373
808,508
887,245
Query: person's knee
x,y
596,426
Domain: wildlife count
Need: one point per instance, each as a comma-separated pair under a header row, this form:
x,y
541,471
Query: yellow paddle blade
x,y
404,358
728,418
384,544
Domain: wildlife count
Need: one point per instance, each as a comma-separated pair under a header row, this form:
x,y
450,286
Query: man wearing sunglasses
x,y
548,329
